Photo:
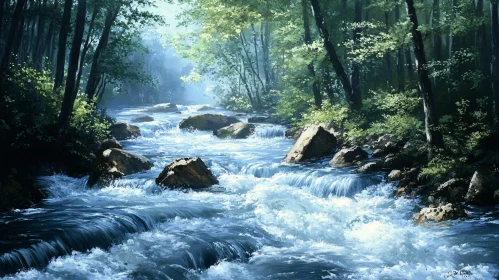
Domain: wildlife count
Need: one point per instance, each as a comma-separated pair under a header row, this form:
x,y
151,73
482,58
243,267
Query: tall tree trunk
x,y
433,136
437,39
49,42
74,55
63,37
265,38
408,61
308,42
482,46
86,46
2,9
16,25
494,64
355,78
400,57
333,57
388,58
101,47
37,51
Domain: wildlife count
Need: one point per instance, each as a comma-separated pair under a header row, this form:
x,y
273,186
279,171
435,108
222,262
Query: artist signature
x,y
459,274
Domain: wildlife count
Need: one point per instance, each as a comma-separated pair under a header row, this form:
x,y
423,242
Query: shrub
x,y
30,106
88,122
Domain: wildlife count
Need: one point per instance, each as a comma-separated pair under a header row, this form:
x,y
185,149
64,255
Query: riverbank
x,y
265,219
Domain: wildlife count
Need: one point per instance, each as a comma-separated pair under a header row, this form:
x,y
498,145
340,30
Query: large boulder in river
x,y
123,131
452,191
115,163
100,146
481,189
208,122
314,142
439,214
238,130
189,173
162,108
126,162
143,119
349,157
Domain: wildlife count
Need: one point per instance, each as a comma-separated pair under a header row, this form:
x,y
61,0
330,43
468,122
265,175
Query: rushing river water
x,y
266,220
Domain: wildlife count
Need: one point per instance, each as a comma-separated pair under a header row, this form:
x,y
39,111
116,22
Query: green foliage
x,y
440,167
89,123
464,131
293,103
30,106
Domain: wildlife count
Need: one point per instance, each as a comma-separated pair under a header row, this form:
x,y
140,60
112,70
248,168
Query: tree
x,y
63,36
433,136
15,35
333,57
74,55
308,42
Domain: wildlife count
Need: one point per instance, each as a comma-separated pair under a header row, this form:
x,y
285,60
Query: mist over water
x,y
265,220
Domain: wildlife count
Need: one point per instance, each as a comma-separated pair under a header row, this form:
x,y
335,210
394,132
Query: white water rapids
x,y
266,220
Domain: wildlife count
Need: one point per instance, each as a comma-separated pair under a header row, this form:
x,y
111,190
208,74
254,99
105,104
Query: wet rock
x,y
378,153
187,173
314,142
481,189
102,145
369,167
126,162
163,108
452,191
439,214
259,119
208,122
239,130
19,194
123,131
397,161
395,175
384,140
294,132
403,192
349,157
116,163
143,119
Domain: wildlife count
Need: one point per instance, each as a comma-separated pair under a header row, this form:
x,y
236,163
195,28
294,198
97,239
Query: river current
x,y
265,220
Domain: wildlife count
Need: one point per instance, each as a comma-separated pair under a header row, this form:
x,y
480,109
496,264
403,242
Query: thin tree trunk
x,y
333,57
101,47
16,24
355,78
483,47
86,46
37,52
388,58
265,38
494,64
74,56
308,42
49,43
400,57
408,61
63,37
433,136
2,9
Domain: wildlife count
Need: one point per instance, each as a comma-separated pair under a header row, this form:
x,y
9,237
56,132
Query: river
x,y
265,220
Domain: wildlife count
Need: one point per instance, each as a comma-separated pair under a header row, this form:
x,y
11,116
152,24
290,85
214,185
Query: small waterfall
x,y
270,131
327,185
